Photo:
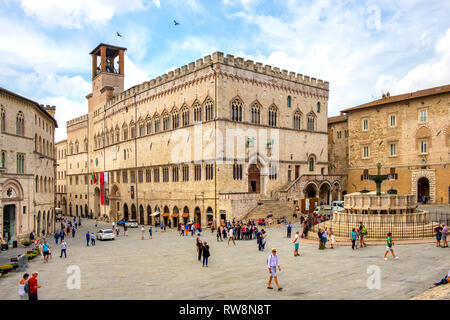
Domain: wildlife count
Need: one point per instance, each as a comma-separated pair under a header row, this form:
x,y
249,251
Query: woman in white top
x,y
23,295
332,238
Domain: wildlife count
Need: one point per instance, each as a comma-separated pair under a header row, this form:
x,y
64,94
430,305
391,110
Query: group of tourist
x,y
441,232
202,251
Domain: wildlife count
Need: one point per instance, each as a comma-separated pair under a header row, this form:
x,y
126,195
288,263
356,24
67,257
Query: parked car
x,y
105,234
132,224
337,205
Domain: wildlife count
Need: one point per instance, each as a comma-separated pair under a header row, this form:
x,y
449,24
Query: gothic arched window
x,y
256,113
197,112
209,110
20,124
185,116
273,116
236,110
297,120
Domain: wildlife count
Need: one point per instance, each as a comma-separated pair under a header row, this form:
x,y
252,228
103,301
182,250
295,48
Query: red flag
x,y
102,189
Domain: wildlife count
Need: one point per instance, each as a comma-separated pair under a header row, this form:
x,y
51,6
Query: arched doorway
x,y
166,215
324,194
44,230
423,189
254,179
336,192
133,212
197,216
141,214
81,211
185,215
175,214
157,215
64,206
70,209
9,223
114,200
209,215
310,191
125,211
76,210
149,214
97,202
86,211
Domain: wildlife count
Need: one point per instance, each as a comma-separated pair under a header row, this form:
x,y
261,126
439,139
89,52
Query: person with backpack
x,y
46,251
92,239
389,244
88,238
362,234
150,232
24,288
438,231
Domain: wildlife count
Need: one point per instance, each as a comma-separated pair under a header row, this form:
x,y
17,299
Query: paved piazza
x,y
166,267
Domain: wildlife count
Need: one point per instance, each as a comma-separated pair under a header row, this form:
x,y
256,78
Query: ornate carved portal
x,y
423,183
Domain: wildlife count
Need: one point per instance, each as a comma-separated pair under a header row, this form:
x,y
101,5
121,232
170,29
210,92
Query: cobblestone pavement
x,y
166,267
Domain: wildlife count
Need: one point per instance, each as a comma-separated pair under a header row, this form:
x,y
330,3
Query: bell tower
x,y
107,74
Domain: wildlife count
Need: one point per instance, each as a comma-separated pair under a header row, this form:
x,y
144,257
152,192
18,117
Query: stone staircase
x,y
278,208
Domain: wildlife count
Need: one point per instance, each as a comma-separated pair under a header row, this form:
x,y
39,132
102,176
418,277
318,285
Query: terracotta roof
x,y
337,119
402,97
30,101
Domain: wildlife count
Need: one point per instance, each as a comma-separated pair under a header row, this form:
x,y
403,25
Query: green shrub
x,y
26,243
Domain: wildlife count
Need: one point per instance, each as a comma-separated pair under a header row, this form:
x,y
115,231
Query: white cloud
x,y
434,73
349,47
66,109
75,14
133,74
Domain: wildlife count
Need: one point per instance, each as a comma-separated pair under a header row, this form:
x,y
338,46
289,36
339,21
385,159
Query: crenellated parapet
x,y
220,58
76,121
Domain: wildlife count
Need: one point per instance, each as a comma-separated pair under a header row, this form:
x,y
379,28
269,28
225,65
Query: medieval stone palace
x,y
214,139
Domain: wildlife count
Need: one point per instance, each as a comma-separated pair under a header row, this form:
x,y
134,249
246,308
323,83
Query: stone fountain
x,y
382,213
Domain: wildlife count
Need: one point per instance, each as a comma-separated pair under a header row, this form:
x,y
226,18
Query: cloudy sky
x,y
363,48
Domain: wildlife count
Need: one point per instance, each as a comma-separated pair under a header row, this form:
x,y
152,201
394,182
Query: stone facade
x,y
196,141
27,167
410,135
61,176
338,145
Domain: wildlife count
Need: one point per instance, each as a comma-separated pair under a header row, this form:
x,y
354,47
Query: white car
x,y
105,234
132,224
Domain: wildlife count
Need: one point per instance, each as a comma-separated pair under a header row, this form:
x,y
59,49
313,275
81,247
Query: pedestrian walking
x,y
272,264
231,236
206,254
62,234
264,238
46,250
332,239
156,226
88,238
56,237
182,230
92,239
117,230
63,249
113,224
23,293
73,231
33,287
125,229
296,243
192,230
219,234
150,232
319,233
353,235
389,245
289,230
362,234
142,233
259,240
199,246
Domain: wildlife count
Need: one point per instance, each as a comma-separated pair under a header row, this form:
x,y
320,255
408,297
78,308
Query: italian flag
x,y
93,178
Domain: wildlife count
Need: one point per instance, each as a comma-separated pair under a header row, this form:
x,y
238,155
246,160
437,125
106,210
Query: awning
x,y
185,215
155,214
166,214
174,215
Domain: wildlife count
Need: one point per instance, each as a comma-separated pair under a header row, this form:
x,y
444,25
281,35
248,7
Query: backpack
x,y
364,230
26,288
